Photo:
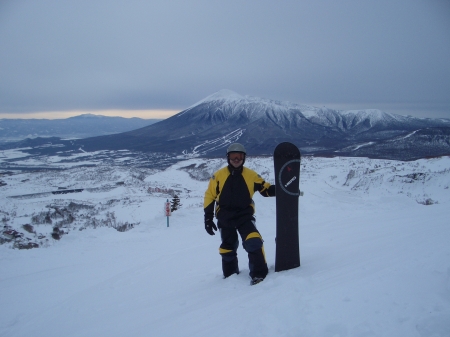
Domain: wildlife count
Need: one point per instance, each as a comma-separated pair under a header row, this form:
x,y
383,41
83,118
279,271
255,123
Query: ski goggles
x,y
236,156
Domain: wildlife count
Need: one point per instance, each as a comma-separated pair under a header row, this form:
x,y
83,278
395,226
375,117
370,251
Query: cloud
x,y
66,55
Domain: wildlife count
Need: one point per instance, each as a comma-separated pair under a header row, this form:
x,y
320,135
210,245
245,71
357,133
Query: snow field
x,y
374,260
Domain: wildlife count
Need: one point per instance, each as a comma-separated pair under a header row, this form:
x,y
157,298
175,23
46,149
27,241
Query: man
x,y
229,197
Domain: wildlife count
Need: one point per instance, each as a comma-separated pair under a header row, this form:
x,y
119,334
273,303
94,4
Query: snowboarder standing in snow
x,y
229,197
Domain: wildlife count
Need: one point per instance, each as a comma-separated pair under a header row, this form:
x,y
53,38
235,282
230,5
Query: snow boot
x,y
256,280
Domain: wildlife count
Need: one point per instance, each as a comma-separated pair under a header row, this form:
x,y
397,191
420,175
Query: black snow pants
x,y
252,243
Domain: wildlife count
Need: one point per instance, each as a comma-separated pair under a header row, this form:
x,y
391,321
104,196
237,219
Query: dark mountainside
x,y
209,126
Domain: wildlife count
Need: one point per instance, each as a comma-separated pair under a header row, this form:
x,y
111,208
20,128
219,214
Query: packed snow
x,y
374,245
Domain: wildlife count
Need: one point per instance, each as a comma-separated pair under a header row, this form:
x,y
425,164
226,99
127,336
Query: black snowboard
x,y
287,177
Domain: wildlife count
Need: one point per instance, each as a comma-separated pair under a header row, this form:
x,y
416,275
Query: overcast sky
x,y
102,55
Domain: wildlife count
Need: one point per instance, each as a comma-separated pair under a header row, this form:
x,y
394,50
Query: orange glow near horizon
x,y
145,114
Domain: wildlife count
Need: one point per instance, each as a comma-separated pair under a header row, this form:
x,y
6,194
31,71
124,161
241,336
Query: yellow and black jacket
x,y
229,195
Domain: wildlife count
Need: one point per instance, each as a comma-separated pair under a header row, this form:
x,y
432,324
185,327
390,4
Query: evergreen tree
x,y
175,203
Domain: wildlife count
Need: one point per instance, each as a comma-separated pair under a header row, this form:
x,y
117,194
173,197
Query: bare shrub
x,y
427,202
29,228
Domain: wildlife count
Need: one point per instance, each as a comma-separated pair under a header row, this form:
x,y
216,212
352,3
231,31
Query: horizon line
x,y
63,114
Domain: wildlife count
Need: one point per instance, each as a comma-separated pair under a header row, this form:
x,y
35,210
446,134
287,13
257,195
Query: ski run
x,y
374,249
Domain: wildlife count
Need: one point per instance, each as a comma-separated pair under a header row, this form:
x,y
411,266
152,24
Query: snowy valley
x,y
375,258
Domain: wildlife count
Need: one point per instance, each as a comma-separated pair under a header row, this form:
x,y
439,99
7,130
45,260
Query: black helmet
x,y
236,147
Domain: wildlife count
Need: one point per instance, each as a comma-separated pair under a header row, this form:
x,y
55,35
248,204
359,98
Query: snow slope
x,y
375,259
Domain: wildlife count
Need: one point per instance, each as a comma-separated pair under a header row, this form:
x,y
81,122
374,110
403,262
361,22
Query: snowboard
x,y
286,159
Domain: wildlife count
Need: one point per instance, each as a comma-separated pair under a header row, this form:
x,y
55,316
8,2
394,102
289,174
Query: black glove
x,y
209,226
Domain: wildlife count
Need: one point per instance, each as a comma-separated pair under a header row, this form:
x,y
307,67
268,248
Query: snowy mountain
x,y
209,126
83,126
373,244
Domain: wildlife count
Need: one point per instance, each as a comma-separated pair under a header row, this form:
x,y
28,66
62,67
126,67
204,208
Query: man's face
x,y
236,158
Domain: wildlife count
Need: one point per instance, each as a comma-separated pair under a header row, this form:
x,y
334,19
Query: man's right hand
x,y
210,227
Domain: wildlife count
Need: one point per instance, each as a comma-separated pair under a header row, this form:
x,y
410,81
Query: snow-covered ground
x,y
374,242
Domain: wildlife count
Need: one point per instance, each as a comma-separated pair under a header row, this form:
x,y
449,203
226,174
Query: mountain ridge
x,y
207,127
81,126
